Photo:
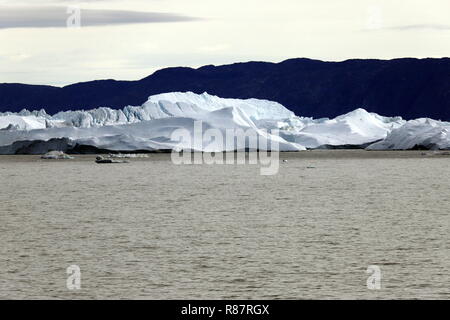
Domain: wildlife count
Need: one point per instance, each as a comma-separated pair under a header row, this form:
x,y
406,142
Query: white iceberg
x,y
356,128
150,126
56,155
417,134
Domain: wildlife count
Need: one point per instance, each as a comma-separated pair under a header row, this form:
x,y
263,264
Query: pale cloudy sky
x,y
129,39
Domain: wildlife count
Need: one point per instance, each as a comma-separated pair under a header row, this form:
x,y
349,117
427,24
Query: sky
x,y
58,42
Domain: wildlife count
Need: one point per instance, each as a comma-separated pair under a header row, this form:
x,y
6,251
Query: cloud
x,y
438,27
58,17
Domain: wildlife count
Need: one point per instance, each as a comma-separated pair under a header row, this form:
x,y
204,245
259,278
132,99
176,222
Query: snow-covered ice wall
x,y
149,127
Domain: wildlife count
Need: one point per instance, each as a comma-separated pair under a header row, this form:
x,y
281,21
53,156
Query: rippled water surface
x,y
153,230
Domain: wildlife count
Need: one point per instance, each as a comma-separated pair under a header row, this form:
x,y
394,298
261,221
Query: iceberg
x,y
18,122
150,127
356,128
56,155
168,105
422,133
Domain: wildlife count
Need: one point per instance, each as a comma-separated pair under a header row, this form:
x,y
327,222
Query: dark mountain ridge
x,y
408,87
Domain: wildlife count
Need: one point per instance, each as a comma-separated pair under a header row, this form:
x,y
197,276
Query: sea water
x,y
150,229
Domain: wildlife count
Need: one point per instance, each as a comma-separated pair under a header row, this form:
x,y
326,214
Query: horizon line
x,y
223,65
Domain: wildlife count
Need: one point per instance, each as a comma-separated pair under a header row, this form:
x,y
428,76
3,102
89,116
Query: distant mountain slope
x,y
411,88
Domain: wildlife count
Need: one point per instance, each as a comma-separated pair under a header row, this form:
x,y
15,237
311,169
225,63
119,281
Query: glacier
x,y
149,127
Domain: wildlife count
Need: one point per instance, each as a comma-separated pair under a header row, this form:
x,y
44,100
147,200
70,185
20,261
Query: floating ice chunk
x,y
56,155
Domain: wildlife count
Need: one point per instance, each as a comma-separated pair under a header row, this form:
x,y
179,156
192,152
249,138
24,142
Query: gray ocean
x,y
150,229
